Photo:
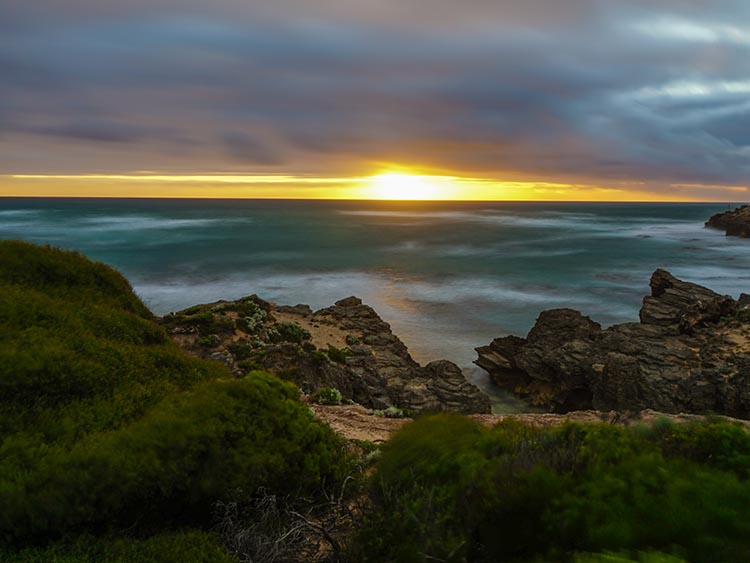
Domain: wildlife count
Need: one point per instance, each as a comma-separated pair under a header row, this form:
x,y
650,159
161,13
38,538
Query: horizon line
x,y
371,199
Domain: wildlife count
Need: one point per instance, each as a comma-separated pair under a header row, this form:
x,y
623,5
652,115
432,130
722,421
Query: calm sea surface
x,y
447,276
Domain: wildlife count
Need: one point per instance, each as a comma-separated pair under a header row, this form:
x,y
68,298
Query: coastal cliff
x,y
735,223
690,353
346,347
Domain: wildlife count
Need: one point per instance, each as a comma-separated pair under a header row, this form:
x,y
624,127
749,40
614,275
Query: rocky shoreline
x,y
690,353
346,347
735,223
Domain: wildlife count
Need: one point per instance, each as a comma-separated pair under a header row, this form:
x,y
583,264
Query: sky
x,y
471,99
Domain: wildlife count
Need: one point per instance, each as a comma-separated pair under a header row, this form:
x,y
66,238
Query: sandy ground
x,y
355,422
322,334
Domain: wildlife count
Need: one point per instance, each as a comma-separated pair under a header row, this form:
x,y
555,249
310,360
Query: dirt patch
x,y
322,335
355,422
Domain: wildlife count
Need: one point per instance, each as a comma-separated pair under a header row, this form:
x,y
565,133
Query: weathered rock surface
x,y
690,353
735,223
347,347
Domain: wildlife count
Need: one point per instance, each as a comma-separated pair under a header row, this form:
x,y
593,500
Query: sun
x,y
402,186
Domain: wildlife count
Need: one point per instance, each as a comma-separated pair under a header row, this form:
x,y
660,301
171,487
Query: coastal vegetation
x,y
449,489
116,445
107,425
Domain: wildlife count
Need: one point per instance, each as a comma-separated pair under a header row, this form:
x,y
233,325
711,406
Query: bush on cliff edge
x,y
106,424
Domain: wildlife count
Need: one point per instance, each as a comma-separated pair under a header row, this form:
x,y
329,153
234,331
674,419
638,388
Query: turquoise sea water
x,y
448,276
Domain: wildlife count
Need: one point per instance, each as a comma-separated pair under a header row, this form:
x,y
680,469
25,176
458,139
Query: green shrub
x,y
174,462
209,341
194,310
338,355
642,557
241,350
392,412
331,354
63,274
222,324
327,396
170,547
288,332
106,424
252,316
448,489
249,365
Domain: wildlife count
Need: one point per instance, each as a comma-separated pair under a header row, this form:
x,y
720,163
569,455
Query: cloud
x,y
248,149
565,90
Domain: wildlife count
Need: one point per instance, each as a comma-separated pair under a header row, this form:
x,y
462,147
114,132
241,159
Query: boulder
x,y
735,223
689,353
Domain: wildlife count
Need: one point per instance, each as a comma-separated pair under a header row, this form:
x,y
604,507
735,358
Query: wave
x,y
18,213
464,250
585,222
148,222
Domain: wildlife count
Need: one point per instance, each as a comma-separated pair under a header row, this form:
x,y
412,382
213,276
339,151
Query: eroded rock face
x,y
735,223
346,346
690,353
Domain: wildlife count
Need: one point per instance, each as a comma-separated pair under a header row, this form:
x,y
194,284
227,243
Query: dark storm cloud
x,y
570,90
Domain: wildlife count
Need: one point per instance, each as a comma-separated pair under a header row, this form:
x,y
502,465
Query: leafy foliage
x,y
106,424
168,547
327,396
448,489
288,332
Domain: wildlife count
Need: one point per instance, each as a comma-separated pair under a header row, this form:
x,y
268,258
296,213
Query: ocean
x,y
447,276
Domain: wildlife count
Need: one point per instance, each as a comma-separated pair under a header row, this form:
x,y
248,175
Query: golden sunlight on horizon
x,y
389,184
401,186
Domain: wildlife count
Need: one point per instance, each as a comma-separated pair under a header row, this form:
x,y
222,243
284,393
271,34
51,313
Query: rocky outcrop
x,y
735,223
690,353
347,347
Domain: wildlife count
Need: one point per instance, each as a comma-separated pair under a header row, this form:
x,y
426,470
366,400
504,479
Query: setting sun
x,y
404,186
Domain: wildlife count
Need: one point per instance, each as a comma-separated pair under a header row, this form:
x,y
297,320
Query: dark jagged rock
x,y
686,305
690,353
735,223
346,346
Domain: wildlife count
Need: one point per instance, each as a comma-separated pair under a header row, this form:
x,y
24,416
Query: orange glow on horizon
x,y
394,184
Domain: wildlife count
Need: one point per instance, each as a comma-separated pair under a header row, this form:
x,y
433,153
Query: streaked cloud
x,y
615,94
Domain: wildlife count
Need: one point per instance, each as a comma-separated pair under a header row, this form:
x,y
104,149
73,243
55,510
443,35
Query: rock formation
x,y
690,353
735,223
347,347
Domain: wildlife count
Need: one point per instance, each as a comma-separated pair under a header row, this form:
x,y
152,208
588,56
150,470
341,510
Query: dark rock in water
x,y
735,223
690,353
346,346
675,302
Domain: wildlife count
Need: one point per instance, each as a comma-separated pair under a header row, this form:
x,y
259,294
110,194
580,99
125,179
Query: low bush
x,y
192,546
174,462
338,355
106,424
288,332
327,396
449,489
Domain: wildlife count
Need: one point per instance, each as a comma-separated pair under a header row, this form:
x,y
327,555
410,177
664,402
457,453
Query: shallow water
x,y
448,276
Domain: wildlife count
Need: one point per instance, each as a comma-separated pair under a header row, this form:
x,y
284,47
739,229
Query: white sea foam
x,y
147,222
570,220
18,213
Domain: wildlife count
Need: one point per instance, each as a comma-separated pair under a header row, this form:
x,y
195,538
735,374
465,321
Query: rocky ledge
x,y
735,223
347,347
690,353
